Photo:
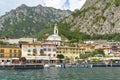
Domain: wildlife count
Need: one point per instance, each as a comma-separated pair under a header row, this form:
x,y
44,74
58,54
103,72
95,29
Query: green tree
x,y
60,56
3,43
85,56
67,59
98,52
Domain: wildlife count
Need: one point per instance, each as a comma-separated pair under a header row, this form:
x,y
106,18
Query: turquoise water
x,y
62,74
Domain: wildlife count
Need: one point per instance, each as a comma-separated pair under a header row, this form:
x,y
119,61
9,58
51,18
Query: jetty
x,y
21,66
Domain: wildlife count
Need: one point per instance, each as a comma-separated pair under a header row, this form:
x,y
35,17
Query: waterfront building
x,y
49,49
10,52
31,49
111,50
70,52
32,52
38,52
16,41
116,54
87,47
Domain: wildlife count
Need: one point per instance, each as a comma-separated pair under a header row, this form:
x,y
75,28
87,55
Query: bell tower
x,y
55,29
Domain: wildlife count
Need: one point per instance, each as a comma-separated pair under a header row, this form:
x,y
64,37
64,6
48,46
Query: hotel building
x,y
9,52
70,52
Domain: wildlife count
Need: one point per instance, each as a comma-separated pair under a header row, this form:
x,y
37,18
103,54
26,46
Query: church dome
x,y
55,36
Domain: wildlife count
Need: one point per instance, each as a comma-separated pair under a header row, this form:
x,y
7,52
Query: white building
x,y
16,41
38,51
31,49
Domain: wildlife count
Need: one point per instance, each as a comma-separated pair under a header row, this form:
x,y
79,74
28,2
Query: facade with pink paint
x,y
49,49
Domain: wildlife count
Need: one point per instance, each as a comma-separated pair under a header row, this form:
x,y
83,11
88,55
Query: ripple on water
x,y
62,74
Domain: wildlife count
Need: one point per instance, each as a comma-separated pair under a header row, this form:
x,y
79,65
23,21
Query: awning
x,y
40,58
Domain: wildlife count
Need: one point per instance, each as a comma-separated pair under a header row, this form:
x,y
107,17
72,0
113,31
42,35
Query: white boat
x,y
46,66
58,65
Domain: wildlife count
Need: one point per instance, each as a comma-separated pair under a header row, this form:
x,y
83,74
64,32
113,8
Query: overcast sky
x,y
7,5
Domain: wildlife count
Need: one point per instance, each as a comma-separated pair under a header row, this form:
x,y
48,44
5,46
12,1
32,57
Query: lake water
x,y
109,73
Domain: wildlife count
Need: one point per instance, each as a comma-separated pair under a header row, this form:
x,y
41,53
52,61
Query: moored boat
x,y
46,66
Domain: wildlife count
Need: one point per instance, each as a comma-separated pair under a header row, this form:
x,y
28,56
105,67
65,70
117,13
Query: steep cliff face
x,y
28,21
96,17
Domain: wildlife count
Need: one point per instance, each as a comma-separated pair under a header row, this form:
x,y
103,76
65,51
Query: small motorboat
x,y
58,65
46,66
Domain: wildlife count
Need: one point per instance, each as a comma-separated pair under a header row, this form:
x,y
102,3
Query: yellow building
x,y
9,51
87,48
70,52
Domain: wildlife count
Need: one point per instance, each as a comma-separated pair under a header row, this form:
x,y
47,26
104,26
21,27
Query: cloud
x,y
64,4
54,3
76,4
7,5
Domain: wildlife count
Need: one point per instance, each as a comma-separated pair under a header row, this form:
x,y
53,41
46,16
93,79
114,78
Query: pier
x,y
104,65
21,66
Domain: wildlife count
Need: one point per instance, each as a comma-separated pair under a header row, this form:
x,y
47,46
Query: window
x,y
29,50
34,45
49,49
2,55
54,55
19,51
10,51
15,55
2,50
41,51
76,52
45,49
49,54
34,50
14,51
10,55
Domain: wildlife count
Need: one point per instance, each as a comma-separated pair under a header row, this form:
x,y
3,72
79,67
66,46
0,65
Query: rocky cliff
x,y
96,17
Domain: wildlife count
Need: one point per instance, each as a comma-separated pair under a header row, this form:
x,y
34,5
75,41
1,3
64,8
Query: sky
x,y
7,5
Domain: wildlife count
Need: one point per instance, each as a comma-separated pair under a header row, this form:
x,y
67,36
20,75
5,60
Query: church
x,y
55,38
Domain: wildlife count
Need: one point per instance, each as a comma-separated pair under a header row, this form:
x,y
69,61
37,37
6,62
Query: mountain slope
x,y
95,17
27,21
